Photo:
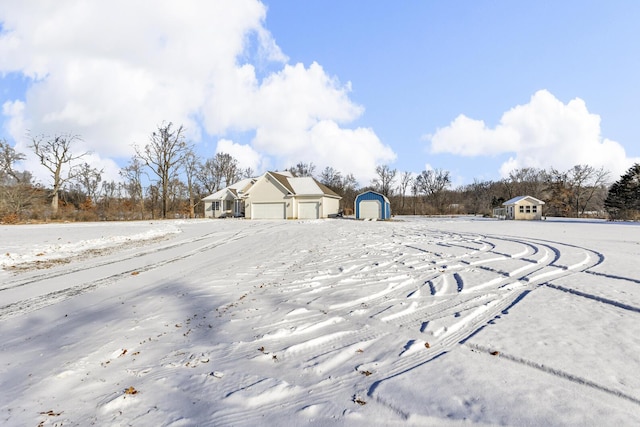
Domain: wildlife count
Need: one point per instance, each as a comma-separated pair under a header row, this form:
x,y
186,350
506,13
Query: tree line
x,y
165,179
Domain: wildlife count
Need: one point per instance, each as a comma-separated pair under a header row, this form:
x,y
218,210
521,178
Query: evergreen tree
x,y
623,199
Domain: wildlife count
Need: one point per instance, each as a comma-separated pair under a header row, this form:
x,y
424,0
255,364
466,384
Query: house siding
x,y
525,208
267,189
263,195
330,206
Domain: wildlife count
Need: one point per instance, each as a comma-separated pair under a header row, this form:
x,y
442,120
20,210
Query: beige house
x,y
523,207
228,202
279,195
274,195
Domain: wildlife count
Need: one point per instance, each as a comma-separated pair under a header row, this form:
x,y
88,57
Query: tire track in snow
x,y
501,305
27,305
557,373
386,303
495,300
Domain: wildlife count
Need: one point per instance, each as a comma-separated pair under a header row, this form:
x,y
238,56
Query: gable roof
x,y
236,190
295,186
283,179
519,199
308,186
327,191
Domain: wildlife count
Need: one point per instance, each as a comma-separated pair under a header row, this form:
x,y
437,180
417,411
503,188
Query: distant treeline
x,y
165,179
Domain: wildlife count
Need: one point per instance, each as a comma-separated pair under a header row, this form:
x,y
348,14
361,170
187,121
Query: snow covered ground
x,y
333,322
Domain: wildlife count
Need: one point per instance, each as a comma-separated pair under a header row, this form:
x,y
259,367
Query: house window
x,y
216,205
535,209
528,209
521,209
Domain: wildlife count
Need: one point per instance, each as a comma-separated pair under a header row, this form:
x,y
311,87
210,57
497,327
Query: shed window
x,y
528,209
216,205
535,208
521,209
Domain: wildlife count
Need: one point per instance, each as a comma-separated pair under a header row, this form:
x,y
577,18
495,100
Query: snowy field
x,y
332,322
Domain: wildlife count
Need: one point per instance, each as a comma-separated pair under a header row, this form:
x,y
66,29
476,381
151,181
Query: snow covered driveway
x,y
232,322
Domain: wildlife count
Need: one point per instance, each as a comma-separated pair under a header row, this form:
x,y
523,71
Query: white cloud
x,y
543,133
246,156
112,71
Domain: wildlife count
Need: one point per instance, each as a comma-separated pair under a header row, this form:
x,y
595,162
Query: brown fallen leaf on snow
x,y
359,401
131,390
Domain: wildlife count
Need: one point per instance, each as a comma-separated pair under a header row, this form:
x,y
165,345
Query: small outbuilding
x,y
372,205
523,207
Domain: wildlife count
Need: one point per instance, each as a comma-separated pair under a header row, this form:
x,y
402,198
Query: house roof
x,y
519,199
308,186
283,179
297,186
236,190
327,191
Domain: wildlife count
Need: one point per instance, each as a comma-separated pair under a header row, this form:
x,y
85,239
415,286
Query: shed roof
x,y
376,193
519,199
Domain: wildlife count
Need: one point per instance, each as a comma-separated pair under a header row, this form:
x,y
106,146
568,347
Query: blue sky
x,y
474,87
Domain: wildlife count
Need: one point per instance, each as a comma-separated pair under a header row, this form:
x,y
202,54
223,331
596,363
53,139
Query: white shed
x,y
523,207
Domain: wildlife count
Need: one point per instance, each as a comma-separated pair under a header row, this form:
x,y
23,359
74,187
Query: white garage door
x,y
267,211
370,209
308,210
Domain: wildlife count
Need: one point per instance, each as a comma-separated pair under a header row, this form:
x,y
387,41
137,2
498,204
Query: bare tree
x,y
133,173
384,182
109,202
432,184
178,194
331,178
302,169
585,181
8,157
558,193
349,192
209,176
524,181
55,154
219,172
228,168
163,155
414,194
16,190
191,168
248,173
406,179
153,197
478,197
89,179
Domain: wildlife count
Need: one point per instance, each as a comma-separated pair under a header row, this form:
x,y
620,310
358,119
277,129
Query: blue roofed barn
x,y
372,205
